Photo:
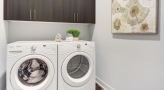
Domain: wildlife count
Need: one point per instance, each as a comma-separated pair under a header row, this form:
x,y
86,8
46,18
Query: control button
x,y
44,45
78,46
33,48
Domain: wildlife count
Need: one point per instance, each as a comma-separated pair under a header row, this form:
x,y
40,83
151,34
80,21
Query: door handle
x,y
30,14
74,17
34,14
77,17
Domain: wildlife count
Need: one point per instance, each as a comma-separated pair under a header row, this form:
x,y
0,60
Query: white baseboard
x,y
103,84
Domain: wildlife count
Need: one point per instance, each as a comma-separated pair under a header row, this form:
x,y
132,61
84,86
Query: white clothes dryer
x,y
32,65
76,65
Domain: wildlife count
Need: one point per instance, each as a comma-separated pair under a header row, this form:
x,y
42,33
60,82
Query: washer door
x,y
77,69
32,72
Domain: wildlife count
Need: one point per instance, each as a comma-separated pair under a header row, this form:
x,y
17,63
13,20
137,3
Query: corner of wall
x,y
91,31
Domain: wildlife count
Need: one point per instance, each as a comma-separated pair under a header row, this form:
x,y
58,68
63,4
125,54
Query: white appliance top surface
x,y
80,41
33,42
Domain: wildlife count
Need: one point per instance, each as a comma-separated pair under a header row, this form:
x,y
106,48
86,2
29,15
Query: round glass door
x,y
33,72
79,68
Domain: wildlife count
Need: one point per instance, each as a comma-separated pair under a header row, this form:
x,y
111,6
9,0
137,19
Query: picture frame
x,y
134,16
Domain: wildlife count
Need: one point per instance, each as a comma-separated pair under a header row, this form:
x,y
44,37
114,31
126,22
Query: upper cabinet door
x,y
42,10
69,11
57,10
73,11
85,11
18,10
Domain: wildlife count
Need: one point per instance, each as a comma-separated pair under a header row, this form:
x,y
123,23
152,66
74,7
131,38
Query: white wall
x,y
2,48
128,62
19,30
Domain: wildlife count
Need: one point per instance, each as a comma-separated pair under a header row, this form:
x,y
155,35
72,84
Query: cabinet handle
x,y
34,14
30,14
74,16
77,17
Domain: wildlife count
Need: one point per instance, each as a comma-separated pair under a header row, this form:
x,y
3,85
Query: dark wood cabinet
x,y
73,11
28,10
17,10
42,10
69,10
57,10
85,11
78,11
63,10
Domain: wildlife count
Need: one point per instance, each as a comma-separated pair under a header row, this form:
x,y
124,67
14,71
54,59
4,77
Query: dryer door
x,y
77,69
32,72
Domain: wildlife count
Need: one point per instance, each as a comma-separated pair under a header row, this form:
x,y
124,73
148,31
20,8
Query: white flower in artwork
x,y
118,23
148,25
123,2
115,7
148,3
135,12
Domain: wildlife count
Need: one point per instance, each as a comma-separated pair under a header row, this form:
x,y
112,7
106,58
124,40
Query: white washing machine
x,y
76,65
32,66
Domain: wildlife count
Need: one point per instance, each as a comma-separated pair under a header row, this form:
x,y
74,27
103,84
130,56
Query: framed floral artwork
x,y
134,16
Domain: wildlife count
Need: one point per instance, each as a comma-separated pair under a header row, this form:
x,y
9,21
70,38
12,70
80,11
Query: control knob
x,y
78,46
33,48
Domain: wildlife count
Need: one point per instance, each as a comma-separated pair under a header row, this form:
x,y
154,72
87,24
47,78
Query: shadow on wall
x,y
3,40
3,81
151,37
91,31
